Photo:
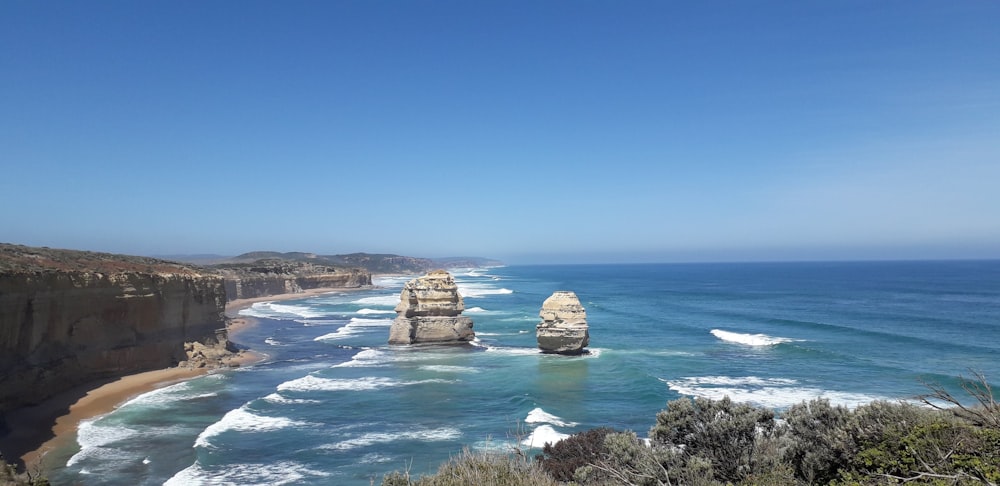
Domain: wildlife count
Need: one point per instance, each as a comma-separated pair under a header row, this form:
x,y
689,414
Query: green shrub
x,y
478,468
562,459
716,433
817,442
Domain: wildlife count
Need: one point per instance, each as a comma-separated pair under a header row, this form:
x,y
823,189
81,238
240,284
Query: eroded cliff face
x,y
68,318
264,278
564,328
429,311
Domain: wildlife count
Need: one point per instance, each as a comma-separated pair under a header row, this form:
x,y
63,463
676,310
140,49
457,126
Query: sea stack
x,y
563,329
429,311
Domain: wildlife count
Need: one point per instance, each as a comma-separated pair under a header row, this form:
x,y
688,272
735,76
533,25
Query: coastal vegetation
x,y
937,440
10,477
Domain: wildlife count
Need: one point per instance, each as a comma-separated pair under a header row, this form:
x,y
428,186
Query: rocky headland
x,y
273,276
564,328
72,317
429,311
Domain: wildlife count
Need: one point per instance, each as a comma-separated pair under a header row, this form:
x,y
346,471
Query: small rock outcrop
x,y
429,311
563,329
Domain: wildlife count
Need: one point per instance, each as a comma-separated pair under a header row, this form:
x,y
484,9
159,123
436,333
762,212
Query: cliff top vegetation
x,y
27,259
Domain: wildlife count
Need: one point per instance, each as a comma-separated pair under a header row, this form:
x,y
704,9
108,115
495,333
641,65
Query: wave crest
x,y
750,339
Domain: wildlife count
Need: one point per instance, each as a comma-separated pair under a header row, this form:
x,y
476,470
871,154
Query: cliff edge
x,y
73,317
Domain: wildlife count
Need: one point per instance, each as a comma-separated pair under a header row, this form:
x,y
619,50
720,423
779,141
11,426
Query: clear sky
x,y
530,131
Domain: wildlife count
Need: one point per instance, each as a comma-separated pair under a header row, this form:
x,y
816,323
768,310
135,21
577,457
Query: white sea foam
x,y
379,300
341,333
243,420
274,310
513,351
256,474
543,434
366,358
392,281
374,458
450,369
476,290
476,310
366,311
750,339
319,322
539,416
94,437
310,383
280,400
766,392
273,342
372,438
355,326
166,396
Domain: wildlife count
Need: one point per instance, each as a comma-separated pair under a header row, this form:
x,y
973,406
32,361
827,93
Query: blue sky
x,y
552,131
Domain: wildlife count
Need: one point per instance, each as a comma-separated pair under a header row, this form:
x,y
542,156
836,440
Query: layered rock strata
x,y
272,277
564,328
429,311
68,318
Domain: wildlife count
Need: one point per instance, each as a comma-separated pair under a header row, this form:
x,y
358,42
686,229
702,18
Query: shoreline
x,y
51,425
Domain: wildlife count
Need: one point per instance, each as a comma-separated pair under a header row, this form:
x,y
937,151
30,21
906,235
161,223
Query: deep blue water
x,y
334,404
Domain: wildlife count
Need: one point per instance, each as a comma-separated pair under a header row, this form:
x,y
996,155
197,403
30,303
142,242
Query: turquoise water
x,y
334,404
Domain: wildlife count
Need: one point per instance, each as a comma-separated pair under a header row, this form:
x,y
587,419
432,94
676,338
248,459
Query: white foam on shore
x,y
750,339
372,438
765,392
256,474
378,300
243,420
93,438
543,434
367,311
539,416
166,396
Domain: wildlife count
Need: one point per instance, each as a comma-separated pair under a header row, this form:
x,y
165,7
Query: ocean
x,y
334,404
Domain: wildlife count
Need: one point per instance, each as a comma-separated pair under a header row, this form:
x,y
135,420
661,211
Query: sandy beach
x,y
38,430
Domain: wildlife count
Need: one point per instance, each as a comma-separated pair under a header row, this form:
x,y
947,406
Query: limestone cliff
x,y
429,311
69,317
564,328
266,277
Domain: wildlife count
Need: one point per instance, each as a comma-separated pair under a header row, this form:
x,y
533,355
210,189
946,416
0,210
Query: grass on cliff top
x,y
27,259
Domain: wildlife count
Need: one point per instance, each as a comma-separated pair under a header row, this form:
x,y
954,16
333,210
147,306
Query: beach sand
x,y
38,430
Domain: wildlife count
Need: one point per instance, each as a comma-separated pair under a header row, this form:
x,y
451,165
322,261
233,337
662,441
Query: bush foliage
x,y
704,442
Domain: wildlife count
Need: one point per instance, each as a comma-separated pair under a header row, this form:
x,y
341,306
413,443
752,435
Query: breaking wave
x,y
750,339
767,392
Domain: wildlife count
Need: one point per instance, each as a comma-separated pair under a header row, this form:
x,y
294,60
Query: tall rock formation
x,y
69,317
564,328
429,311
